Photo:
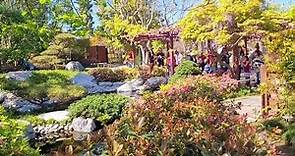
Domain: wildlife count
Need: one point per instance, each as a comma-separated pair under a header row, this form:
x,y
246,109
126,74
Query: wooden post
x,y
236,62
265,96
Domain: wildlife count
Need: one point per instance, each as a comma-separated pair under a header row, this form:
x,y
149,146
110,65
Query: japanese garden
x,y
147,77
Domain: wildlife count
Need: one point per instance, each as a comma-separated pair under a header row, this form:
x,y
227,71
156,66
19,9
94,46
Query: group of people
x,y
247,63
209,63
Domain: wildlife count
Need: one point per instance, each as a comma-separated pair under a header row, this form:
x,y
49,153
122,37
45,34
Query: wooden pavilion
x,y
167,35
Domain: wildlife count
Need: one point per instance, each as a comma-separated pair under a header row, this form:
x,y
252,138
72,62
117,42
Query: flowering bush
x,y
172,123
208,85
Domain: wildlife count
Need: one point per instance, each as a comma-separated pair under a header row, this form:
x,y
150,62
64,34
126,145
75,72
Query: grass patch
x,y
44,85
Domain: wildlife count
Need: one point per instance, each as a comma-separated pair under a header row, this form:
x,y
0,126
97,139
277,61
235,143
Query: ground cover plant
x,y
45,85
104,108
12,137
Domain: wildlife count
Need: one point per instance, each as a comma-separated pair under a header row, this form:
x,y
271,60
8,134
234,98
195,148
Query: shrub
x,y
209,85
169,123
274,123
114,75
46,62
105,108
12,137
289,135
159,71
185,69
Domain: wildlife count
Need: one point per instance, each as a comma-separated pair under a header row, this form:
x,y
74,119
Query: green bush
x,y
185,69
12,137
105,108
289,135
274,123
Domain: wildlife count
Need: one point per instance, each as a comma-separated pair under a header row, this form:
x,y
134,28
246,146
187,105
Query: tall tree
x,y
20,33
229,21
122,20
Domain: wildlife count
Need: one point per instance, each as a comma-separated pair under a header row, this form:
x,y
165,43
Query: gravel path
x,y
250,105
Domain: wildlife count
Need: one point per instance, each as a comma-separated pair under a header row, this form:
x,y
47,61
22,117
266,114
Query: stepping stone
x,y
56,115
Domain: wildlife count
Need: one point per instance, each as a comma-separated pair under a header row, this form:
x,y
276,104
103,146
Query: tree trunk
x,y
142,54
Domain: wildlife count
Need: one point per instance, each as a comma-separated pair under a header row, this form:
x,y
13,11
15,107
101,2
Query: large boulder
x,y
132,87
84,125
87,82
19,75
155,82
18,104
75,66
90,83
56,115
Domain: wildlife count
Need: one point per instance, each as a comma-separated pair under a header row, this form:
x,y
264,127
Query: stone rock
x,y
118,84
19,75
18,104
75,66
29,133
56,115
155,82
84,125
80,136
105,83
129,88
87,82
2,96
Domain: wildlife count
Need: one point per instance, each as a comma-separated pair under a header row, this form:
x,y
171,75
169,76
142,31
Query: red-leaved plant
x,y
182,120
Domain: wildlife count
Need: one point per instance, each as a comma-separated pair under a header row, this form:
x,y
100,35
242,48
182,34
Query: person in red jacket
x,y
171,62
246,65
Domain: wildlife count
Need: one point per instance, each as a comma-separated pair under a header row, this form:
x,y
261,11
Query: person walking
x,y
246,66
151,61
178,57
201,61
160,59
171,62
257,61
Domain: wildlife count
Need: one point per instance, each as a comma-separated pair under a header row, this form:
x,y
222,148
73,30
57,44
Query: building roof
x,y
164,34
